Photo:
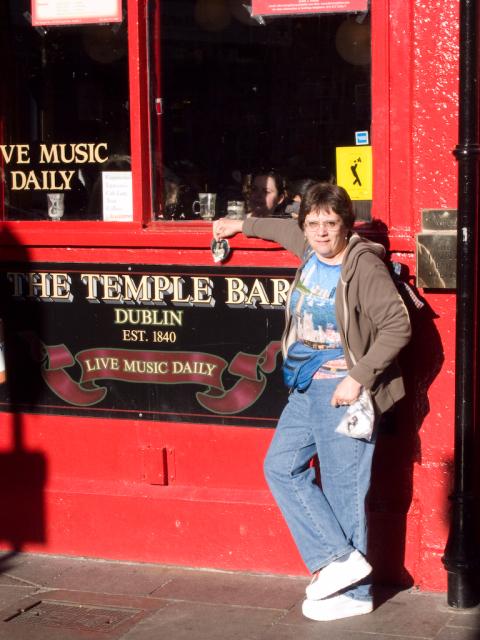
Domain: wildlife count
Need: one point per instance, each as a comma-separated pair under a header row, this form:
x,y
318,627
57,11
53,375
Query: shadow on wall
x,y
23,471
398,445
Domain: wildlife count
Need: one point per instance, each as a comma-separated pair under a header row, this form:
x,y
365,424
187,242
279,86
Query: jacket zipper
x,y
345,320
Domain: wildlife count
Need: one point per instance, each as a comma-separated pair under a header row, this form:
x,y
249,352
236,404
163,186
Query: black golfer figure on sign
x,y
353,169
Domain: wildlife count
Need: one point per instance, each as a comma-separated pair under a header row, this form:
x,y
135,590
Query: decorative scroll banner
x,y
157,367
285,7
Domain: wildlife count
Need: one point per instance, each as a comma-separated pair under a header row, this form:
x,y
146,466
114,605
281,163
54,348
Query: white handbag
x,y
359,418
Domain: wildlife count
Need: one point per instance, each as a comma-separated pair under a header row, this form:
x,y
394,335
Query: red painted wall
x,y
434,180
84,486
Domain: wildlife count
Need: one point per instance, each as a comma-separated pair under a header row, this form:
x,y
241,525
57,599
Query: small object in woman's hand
x,y
220,250
359,419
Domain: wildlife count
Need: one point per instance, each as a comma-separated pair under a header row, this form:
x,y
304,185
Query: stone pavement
x,y
59,598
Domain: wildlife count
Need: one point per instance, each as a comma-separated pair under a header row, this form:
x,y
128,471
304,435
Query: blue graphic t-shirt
x,y
312,306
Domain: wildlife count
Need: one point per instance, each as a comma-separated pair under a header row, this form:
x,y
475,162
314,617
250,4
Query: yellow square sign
x,y
354,171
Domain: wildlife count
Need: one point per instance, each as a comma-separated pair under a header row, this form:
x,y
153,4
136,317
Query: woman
x,y
265,194
344,305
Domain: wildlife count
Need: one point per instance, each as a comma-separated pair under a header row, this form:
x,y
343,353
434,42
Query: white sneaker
x,y
335,608
338,575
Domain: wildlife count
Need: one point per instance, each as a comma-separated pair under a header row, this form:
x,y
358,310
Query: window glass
x,y
249,109
64,118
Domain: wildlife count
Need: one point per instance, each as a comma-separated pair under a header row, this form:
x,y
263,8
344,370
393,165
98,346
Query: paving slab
x,y
11,581
72,615
468,618
13,594
270,592
324,631
199,621
405,614
37,569
111,577
458,633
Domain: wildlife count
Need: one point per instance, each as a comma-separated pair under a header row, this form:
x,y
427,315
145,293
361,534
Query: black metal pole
x,y
462,551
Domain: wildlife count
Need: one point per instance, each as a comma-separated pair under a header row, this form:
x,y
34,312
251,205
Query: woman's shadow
x,y
398,445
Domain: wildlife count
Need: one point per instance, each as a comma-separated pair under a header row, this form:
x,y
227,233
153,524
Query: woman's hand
x,y
347,391
226,228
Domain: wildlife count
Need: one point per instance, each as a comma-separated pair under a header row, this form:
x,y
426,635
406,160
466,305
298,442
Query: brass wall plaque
x,y
437,259
439,219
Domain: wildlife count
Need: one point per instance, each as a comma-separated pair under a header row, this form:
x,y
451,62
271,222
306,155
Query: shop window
x,y
64,114
238,96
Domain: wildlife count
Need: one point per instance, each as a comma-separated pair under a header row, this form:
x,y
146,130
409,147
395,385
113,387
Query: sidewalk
x,y
59,598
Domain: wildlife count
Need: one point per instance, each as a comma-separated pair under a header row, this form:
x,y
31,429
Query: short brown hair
x,y
323,195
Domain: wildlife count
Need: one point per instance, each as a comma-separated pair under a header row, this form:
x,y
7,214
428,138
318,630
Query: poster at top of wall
x,y
63,12
285,7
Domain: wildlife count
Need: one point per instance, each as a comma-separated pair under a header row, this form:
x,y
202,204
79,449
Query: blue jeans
x,y
328,522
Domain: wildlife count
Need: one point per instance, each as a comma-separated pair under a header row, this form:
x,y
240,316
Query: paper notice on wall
x,y
285,7
117,196
60,12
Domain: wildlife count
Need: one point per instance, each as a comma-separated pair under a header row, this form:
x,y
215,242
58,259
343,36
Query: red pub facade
x,y
142,379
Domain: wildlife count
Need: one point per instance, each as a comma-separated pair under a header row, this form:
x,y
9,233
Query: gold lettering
x,y
79,153
22,152
257,293
38,285
280,290
121,316
202,291
88,365
167,317
141,293
111,287
64,158
61,286
18,280
43,181
91,280
49,155
82,153
97,156
32,180
161,285
162,367
19,179
176,318
141,366
236,290
178,283
67,178
177,367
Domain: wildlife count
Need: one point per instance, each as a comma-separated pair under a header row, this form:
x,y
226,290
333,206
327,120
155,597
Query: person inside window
x,y
266,194
296,190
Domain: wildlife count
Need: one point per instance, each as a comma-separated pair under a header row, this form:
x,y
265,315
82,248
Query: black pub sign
x,y
184,344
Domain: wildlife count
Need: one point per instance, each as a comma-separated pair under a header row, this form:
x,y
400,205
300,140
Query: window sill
x,y
160,235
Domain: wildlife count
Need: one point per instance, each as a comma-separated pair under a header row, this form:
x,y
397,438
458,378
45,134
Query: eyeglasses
x,y
329,225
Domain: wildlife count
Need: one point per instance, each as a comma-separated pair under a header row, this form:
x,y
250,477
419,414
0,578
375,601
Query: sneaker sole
x,y
316,592
359,609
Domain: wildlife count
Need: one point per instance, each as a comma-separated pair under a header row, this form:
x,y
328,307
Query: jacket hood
x,y
357,246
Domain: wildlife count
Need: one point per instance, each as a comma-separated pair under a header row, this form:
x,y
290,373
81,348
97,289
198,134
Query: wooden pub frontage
x,y
143,378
